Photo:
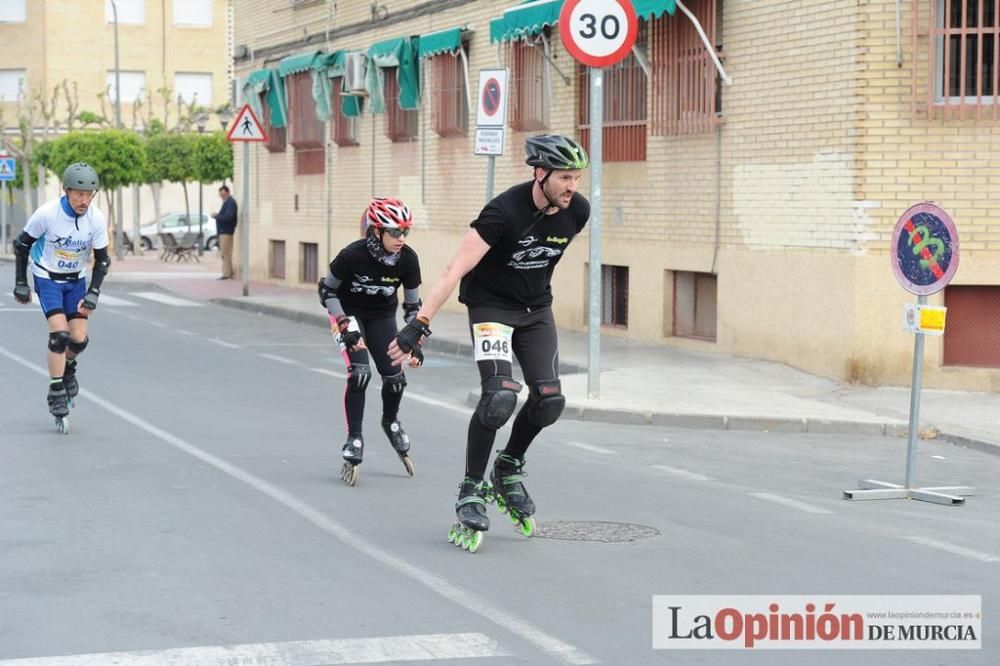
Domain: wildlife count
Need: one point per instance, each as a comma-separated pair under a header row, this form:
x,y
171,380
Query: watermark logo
x,y
821,622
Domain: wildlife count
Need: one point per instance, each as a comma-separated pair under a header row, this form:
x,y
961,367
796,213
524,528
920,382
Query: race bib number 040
x,y
492,341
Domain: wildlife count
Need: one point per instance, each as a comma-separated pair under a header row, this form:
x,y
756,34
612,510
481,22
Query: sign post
x,y
246,129
598,33
8,171
924,253
490,120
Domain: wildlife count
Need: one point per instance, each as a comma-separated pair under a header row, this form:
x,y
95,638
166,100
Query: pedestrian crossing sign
x,y
8,168
246,127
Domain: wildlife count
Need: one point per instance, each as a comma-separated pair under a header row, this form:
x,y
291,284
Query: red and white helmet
x,y
388,213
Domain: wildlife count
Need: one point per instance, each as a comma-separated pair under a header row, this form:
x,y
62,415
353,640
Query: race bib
x,y
492,341
67,260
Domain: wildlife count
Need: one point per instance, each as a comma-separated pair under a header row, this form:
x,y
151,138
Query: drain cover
x,y
594,530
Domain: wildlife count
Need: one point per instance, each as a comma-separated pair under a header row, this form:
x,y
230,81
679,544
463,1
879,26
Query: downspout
x,y
899,35
718,193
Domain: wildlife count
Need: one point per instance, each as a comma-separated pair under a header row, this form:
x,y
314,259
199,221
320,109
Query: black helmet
x,y
80,176
554,151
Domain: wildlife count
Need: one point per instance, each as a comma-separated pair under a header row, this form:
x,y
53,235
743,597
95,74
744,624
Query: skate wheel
x,y
408,464
349,474
62,424
474,541
501,507
452,534
71,402
527,526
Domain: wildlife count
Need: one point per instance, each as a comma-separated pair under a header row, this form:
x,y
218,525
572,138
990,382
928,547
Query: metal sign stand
x,y
594,267
246,129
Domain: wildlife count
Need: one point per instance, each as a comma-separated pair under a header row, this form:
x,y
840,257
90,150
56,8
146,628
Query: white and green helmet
x,y
81,176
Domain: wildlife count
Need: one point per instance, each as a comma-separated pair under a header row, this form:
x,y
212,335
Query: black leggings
x,y
378,333
535,344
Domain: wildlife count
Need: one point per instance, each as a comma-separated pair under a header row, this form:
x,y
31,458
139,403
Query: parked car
x,y
178,225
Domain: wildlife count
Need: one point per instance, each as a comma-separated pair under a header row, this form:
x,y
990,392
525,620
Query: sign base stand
x,y
876,490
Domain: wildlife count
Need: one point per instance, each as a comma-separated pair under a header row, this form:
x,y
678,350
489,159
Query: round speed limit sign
x,y
598,33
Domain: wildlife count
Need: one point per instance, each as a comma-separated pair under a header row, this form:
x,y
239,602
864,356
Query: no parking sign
x,y
924,249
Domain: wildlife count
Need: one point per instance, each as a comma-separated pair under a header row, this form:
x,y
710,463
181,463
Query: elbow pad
x,y
410,310
325,292
23,243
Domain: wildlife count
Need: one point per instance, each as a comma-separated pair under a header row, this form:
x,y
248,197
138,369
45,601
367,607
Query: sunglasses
x,y
397,233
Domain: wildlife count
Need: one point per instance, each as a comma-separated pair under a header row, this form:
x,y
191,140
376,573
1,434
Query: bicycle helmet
x,y
554,151
387,213
81,176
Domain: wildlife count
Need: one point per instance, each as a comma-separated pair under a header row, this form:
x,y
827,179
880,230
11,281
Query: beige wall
x,y
790,200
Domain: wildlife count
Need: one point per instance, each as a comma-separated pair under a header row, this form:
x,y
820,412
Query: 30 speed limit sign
x,y
598,33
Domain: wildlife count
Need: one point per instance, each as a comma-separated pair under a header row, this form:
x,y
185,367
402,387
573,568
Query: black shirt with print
x,y
516,272
368,286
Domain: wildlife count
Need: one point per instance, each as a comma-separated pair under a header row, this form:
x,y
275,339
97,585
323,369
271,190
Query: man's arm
x,y
471,251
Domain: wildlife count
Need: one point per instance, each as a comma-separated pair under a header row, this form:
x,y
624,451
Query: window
x,y
624,107
276,136
529,108
13,11
972,336
614,296
685,81
131,12
694,305
964,62
11,82
276,261
450,106
400,124
345,129
305,130
193,13
194,87
133,86
308,263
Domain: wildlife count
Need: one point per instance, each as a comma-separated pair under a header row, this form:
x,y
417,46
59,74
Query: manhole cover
x,y
594,530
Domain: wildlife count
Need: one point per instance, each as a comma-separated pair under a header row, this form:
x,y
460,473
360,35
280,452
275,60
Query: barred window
x,y
450,109
345,129
614,296
529,103
400,124
276,136
624,107
963,54
305,129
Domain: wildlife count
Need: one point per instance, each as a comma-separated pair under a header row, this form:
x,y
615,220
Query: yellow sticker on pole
x,y
932,319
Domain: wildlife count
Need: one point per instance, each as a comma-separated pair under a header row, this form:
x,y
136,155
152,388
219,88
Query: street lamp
x,y
119,250
201,120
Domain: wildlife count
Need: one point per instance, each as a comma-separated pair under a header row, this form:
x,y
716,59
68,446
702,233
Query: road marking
x,y
158,324
183,332
279,359
459,595
167,299
593,449
294,653
791,503
20,309
145,276
953,549
223,343
410,395
331,373
683,473
114,301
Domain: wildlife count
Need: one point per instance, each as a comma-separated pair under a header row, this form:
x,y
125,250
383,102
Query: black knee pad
x,y
358,376
497,401
394,383
58,341
78,347
545,403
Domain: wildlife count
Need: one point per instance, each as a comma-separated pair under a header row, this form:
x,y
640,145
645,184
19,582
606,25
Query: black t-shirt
x,y
517,270
368,286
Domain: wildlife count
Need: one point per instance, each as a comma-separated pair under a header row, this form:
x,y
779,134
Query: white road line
x,y
279,359
157,324
331,373
593,449
953,549
114,301
18,309
183,332
683,473
223,343
167,299
789,502
410,395
144,276
294,653
461,596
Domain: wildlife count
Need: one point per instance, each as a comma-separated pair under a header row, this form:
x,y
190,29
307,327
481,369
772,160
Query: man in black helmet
x,y
57,242
505,264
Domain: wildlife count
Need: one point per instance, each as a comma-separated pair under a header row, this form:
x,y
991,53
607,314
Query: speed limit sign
x,y
598,33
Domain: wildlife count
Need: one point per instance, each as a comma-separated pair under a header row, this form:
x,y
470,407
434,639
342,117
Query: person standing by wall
x,y
225,227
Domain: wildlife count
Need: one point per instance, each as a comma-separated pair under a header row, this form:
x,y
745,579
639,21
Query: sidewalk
x,y
643,383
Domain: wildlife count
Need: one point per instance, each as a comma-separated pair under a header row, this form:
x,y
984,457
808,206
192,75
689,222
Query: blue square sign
x,y
8,168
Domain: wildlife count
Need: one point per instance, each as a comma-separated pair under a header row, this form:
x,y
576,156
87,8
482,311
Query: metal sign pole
x,y
491,162
246,219
596,158
918,372
3,217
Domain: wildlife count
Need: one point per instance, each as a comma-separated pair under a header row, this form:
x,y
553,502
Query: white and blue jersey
x,y
64,239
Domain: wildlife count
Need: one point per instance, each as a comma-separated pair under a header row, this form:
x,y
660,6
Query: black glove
x,y
90,300
350,339
22,293
408,339
418,354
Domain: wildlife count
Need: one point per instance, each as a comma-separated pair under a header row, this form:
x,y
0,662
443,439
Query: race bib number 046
x,y
492,341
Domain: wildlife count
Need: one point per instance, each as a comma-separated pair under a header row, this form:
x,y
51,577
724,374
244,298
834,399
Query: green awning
x,y
299,63
400,53
266,85
444,41
650,9
525,20
333,63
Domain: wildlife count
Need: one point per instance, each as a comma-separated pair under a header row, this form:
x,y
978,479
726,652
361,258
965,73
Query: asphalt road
x,y
196,506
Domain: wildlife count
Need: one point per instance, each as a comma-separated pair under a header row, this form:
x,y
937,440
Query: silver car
x,y
178,225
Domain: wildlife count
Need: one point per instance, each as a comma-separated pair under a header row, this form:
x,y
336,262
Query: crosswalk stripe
x,y
114,301
294,653
167,299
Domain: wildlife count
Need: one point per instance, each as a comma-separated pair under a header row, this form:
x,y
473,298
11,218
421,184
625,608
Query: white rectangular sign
x,y
489,141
